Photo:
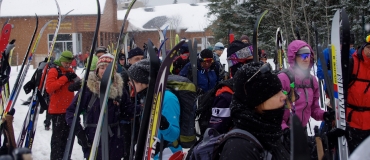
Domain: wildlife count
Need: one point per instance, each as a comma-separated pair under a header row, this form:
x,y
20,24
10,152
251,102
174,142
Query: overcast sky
x,y
162,2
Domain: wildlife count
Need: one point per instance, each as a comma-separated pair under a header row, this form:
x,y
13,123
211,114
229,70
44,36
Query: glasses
x,y
304,55
263,69
207,60
68,58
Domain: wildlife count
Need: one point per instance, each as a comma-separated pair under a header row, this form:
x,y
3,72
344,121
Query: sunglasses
x,y
68,58
304,55
263,69
208,60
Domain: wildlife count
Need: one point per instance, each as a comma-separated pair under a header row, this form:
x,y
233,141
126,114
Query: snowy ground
x,y
41,147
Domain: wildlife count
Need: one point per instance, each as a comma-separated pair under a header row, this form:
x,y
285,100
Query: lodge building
x,y
77,29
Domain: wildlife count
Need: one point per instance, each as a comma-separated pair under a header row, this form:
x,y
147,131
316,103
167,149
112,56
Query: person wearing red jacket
x,y
358,103
59,77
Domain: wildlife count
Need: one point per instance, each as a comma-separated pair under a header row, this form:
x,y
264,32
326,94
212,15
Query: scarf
x,y
266,127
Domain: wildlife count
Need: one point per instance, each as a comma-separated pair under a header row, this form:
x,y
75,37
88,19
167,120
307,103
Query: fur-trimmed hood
x,y
116,89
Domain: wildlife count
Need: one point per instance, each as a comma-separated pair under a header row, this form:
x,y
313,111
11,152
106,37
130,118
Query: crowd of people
x,y
249,96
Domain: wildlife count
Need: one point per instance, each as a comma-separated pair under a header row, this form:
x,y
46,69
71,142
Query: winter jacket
x,y
308,103
220,119
358,95
240,148
57,88
207,79
320,72
119,107
171,110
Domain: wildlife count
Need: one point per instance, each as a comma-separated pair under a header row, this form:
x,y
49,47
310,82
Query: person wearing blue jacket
x,y
207,71
170,120
320,73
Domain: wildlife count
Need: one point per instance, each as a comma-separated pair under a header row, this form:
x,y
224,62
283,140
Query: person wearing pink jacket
x,y
306,88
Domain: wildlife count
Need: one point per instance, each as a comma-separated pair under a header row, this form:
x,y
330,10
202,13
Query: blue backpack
x,y
210,147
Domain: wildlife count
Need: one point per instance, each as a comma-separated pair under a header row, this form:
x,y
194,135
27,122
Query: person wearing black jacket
x,y
257,107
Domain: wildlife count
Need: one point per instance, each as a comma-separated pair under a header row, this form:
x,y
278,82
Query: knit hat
x,y
260,88
235,46
367,40
206,53
122,56
135,52
66,56
219,46
184,48
139,71
101,49
304,50
105,59
245,37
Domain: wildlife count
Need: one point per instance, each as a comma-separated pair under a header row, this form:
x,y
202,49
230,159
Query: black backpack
x,y
204,104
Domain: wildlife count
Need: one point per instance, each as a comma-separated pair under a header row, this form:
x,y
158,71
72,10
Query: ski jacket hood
x,y
293,49
93,83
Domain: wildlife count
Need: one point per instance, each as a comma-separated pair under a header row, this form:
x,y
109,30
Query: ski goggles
x,y
263,69
304,55
207,60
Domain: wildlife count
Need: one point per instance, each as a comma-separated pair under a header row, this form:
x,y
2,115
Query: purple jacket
x,y
304,107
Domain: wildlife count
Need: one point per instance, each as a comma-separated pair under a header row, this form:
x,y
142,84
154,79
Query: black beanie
x,y
259,89
135,52
139,71
235,46
184,48
206,53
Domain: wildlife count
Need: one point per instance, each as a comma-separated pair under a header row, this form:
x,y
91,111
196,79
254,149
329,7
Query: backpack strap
x,y
245,135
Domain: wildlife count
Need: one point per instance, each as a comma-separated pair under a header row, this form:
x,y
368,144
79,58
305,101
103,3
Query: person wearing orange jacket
x,y
358,102
59,77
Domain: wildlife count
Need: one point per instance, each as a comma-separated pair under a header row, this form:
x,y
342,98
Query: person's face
x,y
122,62
99,54
101,70
245,41
206,63
66,64
219,52
367,51
303,60
275,102
135,59
138,86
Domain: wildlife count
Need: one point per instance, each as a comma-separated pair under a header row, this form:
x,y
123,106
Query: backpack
x,y
185,92
211,146
204,104
293,86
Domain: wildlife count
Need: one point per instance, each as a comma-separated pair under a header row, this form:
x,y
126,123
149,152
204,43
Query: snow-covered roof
x,y
16,8
191,17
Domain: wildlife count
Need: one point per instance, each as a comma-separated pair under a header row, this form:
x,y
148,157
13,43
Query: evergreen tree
x,y
174,1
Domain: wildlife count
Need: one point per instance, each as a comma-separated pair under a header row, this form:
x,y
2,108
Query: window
x,y
62,43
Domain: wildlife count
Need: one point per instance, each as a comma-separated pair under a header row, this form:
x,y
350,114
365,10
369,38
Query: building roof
x,y
192,17
20,8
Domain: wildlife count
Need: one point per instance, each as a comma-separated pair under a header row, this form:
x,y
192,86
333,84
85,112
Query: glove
x,y
82,139
164,123
71,75
75,86
329,116
333,135
28,87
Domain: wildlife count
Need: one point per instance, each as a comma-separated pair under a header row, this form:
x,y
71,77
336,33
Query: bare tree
x,y
145,2
175,22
